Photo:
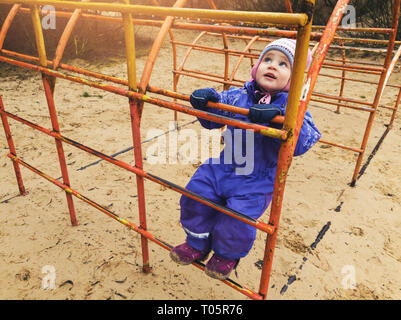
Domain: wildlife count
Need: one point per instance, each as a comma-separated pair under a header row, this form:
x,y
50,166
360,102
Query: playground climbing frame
x,y
300,25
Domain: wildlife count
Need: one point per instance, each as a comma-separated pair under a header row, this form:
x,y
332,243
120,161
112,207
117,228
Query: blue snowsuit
x,y
221,180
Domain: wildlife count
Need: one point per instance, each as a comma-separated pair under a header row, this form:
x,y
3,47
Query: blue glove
x,y
199,98
263,113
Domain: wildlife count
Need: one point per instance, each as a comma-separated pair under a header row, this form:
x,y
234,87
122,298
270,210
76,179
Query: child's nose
x,y
273,64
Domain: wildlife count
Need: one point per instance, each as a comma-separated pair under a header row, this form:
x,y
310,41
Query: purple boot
x,y
185,254
220,268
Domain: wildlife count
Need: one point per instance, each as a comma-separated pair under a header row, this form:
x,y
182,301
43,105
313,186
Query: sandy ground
x,y
101,259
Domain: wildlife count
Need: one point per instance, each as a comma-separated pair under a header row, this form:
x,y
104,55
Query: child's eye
x,y
283,64
268,59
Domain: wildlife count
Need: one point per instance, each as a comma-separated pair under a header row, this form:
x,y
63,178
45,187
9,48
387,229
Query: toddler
x,y
208,229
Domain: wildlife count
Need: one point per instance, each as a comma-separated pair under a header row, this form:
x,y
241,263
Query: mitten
x,y
199,98
263,113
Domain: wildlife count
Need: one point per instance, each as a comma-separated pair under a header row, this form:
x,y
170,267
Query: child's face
x,y
274,71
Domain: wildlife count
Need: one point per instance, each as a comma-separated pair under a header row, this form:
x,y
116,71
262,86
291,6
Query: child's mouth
x,y
270,75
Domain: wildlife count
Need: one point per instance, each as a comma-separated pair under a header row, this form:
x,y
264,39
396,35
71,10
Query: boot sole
x,y
175,257
217,275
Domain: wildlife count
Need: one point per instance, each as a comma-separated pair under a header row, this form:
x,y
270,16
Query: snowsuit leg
x,y
197,218
232,238
208,228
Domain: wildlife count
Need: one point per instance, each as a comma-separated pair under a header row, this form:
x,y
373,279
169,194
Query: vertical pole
x,y
48,84
343,75
287,147
136,134
397,103
11,147
380,88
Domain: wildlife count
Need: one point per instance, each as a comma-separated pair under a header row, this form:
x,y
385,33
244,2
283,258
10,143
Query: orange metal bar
x,y
324,95
342,105
59,146
11,147
288,6
221,106
395,108
341,146
65,37
7,22
344,60
286,150
48,84
247,48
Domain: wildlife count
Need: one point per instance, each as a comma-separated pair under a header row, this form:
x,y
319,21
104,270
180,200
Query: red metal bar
x,y
287,149
343,74
395,108
11,147
373,30
136,135
59,146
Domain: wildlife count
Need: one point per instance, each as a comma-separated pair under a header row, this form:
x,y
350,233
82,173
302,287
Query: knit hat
x,y
287,47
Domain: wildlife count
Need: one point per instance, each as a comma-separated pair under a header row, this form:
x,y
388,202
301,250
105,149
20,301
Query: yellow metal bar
x,y
40,42
301,52
130,49
245,16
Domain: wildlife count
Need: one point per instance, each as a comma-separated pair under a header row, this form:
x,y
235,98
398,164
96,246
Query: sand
x,y
358,255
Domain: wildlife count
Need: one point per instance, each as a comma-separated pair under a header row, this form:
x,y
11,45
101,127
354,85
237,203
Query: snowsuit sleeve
x,y
308,135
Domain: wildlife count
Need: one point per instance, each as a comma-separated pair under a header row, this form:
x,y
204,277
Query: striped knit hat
x,y
287,47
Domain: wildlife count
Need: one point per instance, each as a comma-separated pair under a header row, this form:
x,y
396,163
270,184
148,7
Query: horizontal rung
x,y
246,16
343,105
220,106
217,50
341,146
328,96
